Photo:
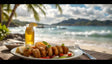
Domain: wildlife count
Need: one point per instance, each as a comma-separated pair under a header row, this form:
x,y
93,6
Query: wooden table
x,y
6,55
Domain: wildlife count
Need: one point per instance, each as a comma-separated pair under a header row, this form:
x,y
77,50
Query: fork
x,y
88,55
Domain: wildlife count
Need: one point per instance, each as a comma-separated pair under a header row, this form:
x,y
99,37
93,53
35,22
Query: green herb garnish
x,y
27,48
48,46
62,45
45,43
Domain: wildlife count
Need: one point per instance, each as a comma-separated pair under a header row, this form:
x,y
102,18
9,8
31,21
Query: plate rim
x,y
13,51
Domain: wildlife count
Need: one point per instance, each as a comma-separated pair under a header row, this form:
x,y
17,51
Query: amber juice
x,y
29,36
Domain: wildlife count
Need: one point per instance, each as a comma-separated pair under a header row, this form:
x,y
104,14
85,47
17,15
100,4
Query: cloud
x,y
53,15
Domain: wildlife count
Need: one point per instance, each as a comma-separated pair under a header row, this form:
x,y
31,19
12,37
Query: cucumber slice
x,y
63,57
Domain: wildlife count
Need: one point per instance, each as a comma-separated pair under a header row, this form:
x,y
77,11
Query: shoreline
x,y
86,47
96,48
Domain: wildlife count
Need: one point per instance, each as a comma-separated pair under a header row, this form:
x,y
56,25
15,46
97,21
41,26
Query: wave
x,y
93,33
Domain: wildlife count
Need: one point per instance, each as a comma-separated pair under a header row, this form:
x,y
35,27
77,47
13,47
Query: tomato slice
x,y
45,57
61,54
69,54
52,56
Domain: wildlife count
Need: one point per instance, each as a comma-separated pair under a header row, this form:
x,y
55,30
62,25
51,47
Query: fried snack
x,y
55,50
42,51
36,53
49,51
28,51
40,44
65,49
60,49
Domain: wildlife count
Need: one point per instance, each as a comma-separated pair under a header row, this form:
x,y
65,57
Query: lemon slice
x,y
20,49
32,24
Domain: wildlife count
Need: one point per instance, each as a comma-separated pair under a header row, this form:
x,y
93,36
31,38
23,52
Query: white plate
x,y
77,53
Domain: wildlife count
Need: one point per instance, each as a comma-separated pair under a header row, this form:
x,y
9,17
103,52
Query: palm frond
x,y
59,8
9,11
36,15
5,15
42,10
29,7
42,6
8,7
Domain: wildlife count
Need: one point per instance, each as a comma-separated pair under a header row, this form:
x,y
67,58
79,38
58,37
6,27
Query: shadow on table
x,y
6,51
15,58
1,58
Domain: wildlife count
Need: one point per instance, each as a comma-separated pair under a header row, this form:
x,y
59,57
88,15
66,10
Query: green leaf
x,y
48,46
8,7
5,15
4,30
45,43
62,45
31,8
59,8
4,27
42,6
42,10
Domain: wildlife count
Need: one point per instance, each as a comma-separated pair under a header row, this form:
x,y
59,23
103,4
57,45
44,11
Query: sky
x,y
85,11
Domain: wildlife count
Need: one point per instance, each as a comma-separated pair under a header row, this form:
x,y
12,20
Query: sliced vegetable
x,y
70,54
52,56
55,57
61,54
63,57
45,57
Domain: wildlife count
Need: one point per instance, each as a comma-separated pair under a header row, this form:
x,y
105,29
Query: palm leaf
x,y
29,7
6,16
9,11
36,15
8,8
42,10
42,6
59,8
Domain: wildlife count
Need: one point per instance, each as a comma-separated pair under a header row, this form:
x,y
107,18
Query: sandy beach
x,y
97,48
83,46
86,47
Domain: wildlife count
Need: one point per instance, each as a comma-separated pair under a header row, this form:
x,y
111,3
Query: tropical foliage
x,y
4,31
6,9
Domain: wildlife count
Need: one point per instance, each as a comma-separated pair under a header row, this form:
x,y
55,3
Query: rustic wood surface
x,y
6,55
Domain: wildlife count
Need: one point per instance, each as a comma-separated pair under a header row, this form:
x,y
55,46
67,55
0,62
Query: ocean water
x,y
85,35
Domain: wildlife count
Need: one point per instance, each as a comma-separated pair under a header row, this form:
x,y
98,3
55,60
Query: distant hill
x,y
84,22
16,23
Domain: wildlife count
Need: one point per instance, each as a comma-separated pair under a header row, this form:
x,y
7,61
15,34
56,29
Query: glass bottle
x,y
29,35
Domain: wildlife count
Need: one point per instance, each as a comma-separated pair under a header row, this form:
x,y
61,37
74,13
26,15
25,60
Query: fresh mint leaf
x,y
45,42
48,46
62,45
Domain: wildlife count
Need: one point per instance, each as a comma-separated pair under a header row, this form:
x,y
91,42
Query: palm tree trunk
x,y
12,14
0,13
